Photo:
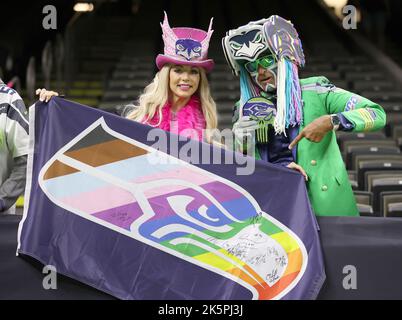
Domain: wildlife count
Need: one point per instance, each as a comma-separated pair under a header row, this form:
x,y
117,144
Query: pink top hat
x,y
185,46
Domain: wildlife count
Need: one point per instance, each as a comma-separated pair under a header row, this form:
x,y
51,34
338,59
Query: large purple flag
x,y
107,205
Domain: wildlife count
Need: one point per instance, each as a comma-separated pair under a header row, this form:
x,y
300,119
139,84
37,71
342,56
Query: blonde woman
x,y
178,99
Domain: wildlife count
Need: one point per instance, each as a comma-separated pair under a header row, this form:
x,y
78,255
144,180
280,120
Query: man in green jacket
x,y
292,122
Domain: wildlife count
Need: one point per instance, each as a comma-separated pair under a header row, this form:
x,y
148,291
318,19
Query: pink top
x,y
189,121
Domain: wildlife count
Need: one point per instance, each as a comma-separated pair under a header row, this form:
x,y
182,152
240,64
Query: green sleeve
x,y
363,113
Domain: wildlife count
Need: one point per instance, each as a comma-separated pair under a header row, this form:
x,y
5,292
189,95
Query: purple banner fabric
x,y
109,207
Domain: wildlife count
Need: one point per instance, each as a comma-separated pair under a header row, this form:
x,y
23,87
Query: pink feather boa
x,y
191,121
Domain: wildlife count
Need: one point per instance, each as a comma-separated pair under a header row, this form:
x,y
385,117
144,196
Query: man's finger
x,y
296,140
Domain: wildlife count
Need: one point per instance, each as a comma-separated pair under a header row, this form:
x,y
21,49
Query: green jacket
x,y
328,187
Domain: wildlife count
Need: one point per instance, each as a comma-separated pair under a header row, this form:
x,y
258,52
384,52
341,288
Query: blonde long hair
x,y
156,95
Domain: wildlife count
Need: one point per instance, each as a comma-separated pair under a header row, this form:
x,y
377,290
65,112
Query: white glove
x,y
244,132
244,127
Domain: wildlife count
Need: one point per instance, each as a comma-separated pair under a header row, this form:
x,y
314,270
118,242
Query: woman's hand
x,y
45,95
296,167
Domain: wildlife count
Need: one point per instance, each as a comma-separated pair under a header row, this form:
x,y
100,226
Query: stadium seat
x,y
128,75
227,96
356,67
223,75
372,85
225,85
381,185
355,150
394,210
352,174
127,84
376,165
369,143
391,203
396,131
367,76
374,137
364,201
372,174
318,67
331,75
385,158
392,106
383,96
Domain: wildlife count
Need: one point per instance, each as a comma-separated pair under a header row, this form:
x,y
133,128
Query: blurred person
x,y
13,148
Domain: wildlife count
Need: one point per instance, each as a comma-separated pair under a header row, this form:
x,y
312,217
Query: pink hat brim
x,y
162,59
